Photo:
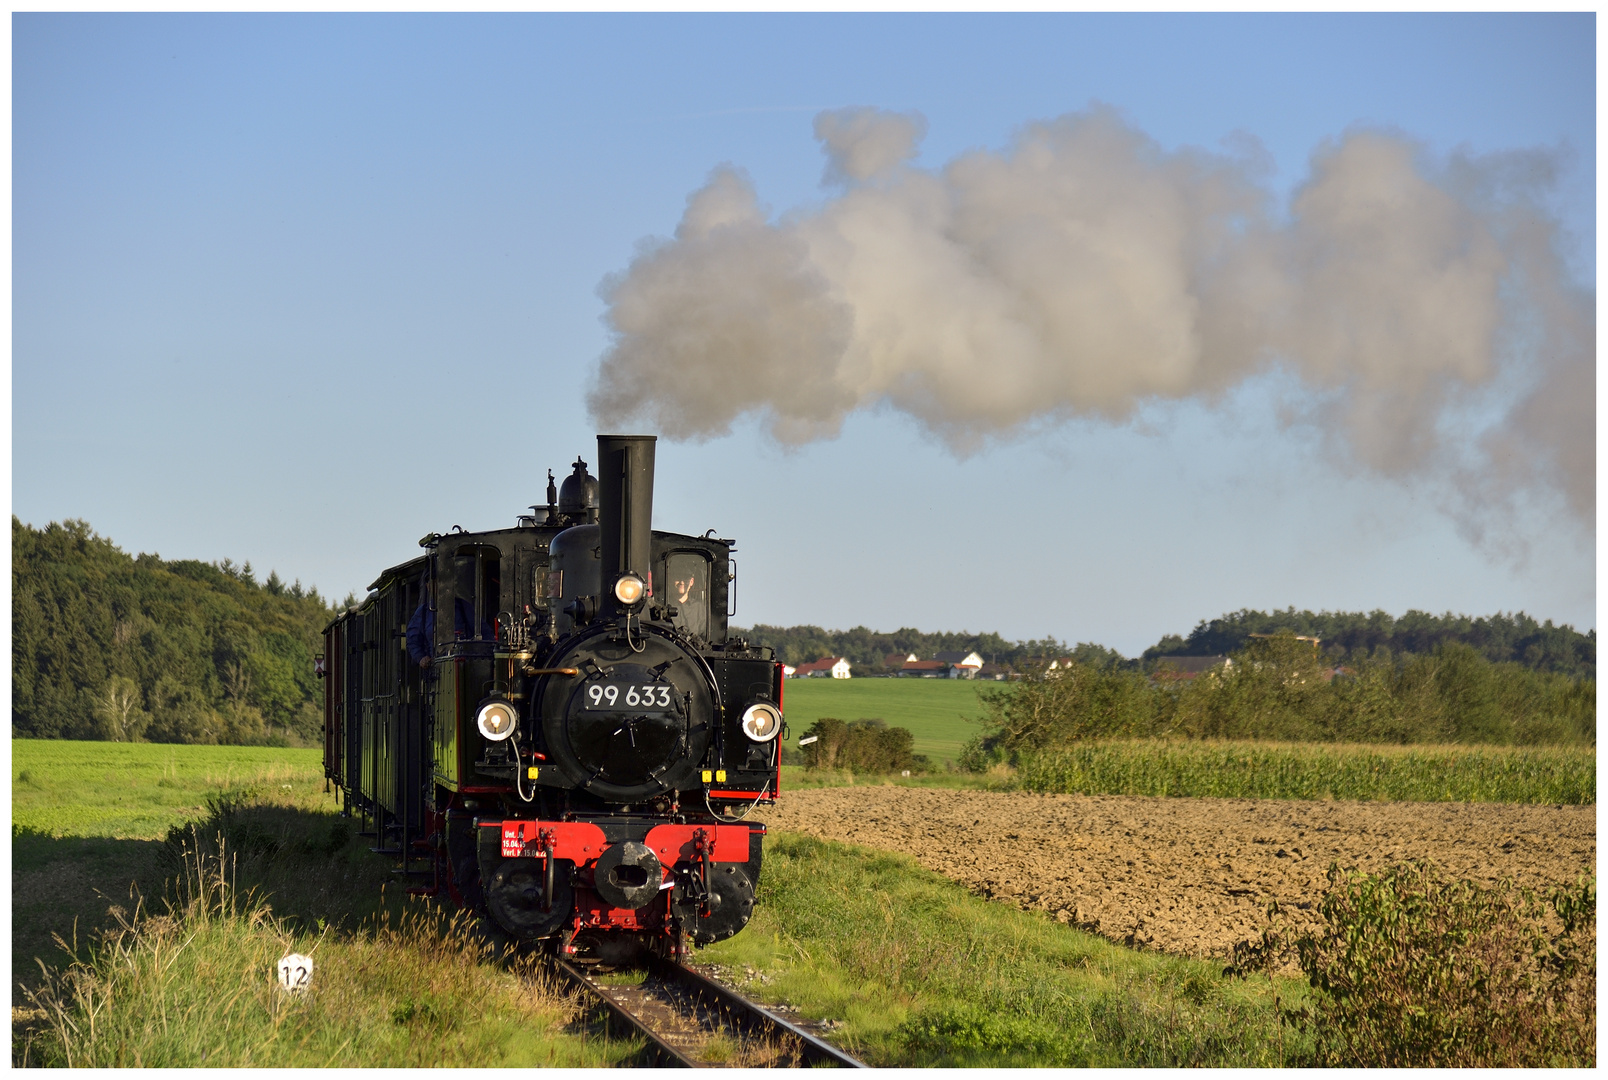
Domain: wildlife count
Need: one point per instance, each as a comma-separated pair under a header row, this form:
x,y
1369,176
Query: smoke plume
x,y
1084,271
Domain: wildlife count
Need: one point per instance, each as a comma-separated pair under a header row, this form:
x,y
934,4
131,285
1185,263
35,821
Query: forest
x,y
105,645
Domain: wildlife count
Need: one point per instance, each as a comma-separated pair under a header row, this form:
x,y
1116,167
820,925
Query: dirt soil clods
x,y
1186,876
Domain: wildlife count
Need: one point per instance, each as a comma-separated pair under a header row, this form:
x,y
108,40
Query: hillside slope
x,y
105,645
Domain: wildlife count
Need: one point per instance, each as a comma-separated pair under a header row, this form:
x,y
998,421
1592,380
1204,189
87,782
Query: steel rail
x,y
759,1020
621,1021
751,1020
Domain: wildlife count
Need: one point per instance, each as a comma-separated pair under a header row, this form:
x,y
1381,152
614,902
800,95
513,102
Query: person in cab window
x,y
421,627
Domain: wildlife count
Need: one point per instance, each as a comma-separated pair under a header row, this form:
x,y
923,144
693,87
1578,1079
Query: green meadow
x,y
907,968
176,931
910,968
139,790
941,713
88,820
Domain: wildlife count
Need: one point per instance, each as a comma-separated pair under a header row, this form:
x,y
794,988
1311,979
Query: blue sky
x,y
299,289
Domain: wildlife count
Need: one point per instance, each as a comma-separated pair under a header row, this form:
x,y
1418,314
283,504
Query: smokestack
x,y
625,510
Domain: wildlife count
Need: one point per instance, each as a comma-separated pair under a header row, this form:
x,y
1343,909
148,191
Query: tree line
x,y
1347,638
1281,688
105,645
1353,636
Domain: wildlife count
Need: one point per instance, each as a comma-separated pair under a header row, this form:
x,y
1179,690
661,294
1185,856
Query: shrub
x,y
865,746
1412,970
1275,688
1077,702
979,754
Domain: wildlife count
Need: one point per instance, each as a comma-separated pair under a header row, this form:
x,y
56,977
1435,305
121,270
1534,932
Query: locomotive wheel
x,y
514,898
731,904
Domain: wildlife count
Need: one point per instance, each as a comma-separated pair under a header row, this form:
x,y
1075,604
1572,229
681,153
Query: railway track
x,y
688,1020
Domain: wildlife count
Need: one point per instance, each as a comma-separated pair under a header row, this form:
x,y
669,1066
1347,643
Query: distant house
x,y
962,665
788,671
895,661
827,667
1045,663
924,669
995,673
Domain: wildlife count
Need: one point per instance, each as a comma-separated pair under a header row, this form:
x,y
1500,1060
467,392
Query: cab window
x,y
687,590
474,586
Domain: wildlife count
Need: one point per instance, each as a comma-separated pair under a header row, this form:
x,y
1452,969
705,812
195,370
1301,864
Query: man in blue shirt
x,y
421,628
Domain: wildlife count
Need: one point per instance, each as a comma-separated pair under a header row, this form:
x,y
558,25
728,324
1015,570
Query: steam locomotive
x,y
554,722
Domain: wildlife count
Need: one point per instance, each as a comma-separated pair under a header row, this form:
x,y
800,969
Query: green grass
x,y
88,818
196,987
919,972
914,970
1261,770
940,713
140,790
191,984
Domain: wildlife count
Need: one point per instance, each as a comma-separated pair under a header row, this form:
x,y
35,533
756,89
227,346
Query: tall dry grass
x,y
196,985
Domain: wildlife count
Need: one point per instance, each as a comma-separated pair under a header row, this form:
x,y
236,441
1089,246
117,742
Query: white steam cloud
x,y
1085,271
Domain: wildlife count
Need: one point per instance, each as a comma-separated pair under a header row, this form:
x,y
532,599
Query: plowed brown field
x,y
1185,876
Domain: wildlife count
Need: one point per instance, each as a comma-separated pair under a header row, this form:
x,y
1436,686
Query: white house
x,y
834,667
788,670
962,665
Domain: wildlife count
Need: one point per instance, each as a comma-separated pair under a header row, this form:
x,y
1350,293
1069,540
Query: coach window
x,y
687,589
476,586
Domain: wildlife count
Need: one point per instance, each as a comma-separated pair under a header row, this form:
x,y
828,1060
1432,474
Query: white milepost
x,y
295,972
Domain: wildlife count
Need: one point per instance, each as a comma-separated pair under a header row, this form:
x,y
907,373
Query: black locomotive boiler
x,y
553,720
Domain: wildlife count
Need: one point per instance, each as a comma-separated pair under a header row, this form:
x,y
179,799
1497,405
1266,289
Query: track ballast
x,y
688,1020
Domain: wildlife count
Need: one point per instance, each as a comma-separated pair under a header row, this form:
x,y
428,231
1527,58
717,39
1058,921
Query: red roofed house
x,y
946,665
962,665
833,667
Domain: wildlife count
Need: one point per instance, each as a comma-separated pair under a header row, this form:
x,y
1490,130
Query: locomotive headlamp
x,y
496,720
629,589
761,722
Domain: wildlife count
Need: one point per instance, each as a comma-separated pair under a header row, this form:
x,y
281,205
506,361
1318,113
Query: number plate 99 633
x,y
613,696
